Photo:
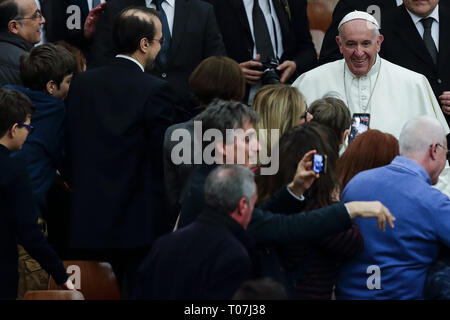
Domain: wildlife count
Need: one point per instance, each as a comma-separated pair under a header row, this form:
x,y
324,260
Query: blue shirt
x,y
394,263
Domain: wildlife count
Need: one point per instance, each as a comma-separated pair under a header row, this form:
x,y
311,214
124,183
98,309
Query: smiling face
x,y
421,8
359,44
30,21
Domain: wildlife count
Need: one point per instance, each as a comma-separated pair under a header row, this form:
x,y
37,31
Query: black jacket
x,y
404,46
266,226
117,116
208,259
18,224
11,48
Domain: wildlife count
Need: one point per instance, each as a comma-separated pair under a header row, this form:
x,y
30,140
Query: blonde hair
x,y
280,107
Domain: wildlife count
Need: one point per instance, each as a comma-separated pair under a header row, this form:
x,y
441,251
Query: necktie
x,y
95,3
263,42
165,31
428,39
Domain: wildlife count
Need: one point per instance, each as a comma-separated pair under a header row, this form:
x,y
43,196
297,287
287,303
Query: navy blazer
x,y
117,116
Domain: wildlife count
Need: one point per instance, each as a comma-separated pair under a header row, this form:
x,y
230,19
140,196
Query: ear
x,y
13,26
13,131
344,135
239,215
432,151
144,44
338,41
379,41
50,87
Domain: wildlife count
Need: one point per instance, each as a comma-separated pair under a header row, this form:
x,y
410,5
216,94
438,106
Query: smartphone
x,y
320,163
360,124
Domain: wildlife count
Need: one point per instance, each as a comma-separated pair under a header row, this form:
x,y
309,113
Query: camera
x,y
320,163
270,73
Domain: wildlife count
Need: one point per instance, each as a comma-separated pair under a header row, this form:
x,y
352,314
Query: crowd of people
x,y
202,149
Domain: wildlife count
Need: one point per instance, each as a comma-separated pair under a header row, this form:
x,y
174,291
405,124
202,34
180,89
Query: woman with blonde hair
x,y
280,107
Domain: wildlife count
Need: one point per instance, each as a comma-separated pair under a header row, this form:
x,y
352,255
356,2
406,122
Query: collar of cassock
x,y
372,72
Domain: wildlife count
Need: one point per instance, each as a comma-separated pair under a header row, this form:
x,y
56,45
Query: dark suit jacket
x,y
117,116
208,259
297,41
18,224
54,12
195,36
404,46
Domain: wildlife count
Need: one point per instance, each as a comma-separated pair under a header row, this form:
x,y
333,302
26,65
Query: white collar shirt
x,y
169,9
434,26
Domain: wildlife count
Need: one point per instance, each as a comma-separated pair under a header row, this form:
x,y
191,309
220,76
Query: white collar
x,y
373,71
169,2
131,59
434,14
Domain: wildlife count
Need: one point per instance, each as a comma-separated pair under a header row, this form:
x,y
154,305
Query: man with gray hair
x,y
208,259
394,265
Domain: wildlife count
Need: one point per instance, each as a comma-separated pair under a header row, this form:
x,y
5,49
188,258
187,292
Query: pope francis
x,y
368,84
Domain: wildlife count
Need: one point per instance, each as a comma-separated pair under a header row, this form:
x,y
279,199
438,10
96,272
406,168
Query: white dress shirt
x,y
434,26
269,13
271,19
169,9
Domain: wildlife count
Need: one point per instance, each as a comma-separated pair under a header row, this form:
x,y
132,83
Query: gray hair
x,y
223,115
226,185
418,134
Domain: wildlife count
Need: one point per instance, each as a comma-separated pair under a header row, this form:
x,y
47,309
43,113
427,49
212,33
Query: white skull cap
x,y
359,15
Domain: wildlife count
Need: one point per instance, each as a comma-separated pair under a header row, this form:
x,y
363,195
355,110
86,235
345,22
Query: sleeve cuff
x,y
301,198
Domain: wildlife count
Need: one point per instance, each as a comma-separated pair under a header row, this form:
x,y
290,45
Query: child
x,y
18,221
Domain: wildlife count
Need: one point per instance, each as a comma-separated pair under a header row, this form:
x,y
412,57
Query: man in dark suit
x,y
192,36
117,116
406,43
288,28
210,258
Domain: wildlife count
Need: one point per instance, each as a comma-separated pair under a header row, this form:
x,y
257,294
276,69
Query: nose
x,y
309,117
42,20
358,52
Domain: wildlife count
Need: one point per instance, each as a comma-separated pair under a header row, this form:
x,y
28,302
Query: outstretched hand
x,y
371,209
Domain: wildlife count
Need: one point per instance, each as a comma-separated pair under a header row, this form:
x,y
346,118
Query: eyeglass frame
x,y
36,15
160,40
29,127
447,153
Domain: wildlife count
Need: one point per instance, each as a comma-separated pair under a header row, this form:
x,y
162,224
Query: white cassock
x,y
390,93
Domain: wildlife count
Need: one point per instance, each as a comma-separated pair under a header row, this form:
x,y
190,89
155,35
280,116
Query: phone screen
x,y
360,125
319,163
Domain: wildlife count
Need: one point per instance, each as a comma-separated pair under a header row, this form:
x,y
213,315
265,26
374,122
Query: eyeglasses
x,y
30,128
447,152
161,40
37,15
